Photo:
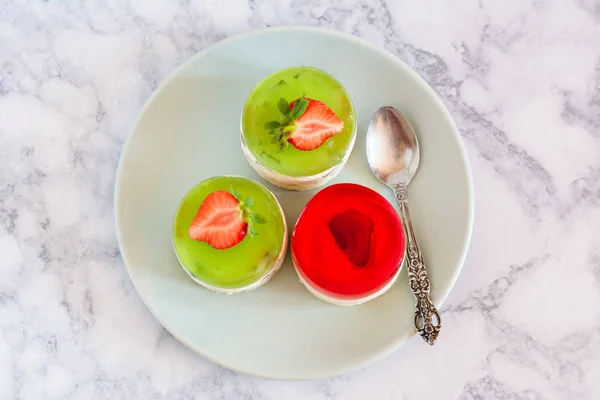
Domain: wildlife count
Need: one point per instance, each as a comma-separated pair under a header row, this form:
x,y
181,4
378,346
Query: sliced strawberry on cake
x,y
305,123
224,219
317,124
219,222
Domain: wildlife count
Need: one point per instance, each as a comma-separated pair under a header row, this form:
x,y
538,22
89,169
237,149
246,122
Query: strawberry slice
x,y
219,221
317,124
352,231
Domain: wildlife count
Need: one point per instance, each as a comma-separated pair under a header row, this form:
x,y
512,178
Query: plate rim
x,y
400,339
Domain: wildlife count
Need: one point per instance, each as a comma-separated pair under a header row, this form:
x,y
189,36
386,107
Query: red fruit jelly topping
x,y
348,240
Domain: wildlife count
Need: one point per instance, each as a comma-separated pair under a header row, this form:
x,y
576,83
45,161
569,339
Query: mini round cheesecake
x,y
298,128
230,234
348,244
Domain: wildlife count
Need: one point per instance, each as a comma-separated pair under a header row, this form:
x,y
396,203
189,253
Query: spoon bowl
x,y
392,147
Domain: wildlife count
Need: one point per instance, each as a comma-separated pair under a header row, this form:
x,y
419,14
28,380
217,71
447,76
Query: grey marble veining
x,y
522,80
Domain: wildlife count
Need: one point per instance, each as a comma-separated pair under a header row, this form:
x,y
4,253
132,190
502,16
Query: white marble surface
x,y
522,80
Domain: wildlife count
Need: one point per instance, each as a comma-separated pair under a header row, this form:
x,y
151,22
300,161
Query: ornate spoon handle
x,y
427,318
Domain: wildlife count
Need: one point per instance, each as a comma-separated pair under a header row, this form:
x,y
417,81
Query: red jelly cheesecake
x,y
348,244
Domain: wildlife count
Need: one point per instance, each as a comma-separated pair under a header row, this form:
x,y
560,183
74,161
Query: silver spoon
x,y
393,153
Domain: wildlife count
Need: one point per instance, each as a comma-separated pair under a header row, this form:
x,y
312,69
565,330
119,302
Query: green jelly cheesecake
x,y
298,128
230,234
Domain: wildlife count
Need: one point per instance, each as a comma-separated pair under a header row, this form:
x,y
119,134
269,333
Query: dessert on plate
x,y
298,128
348,244
230,234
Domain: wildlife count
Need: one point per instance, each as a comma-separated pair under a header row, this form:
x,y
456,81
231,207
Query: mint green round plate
x,y
188,131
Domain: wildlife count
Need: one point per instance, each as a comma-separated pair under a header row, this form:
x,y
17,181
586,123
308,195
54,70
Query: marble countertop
x,y
522,80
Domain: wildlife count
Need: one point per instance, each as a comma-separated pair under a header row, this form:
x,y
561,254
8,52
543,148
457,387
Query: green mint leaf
x,y
248,202
275,139
235,193
258,219
271,125
299,108
283,106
